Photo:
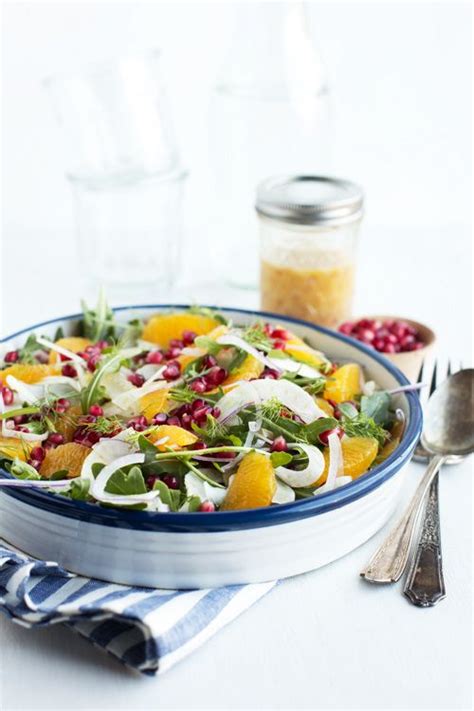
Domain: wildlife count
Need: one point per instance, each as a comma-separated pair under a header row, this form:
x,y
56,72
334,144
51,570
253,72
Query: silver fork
x,y
424,584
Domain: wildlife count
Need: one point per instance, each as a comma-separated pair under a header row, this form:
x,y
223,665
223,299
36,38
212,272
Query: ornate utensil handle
x,y
424,585
390,559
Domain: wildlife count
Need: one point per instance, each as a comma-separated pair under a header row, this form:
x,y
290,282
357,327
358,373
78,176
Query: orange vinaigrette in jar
x,y
308,230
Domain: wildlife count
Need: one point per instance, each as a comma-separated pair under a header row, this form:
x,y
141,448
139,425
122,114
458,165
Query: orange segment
x,y
67,423
75,344
254,484
162,328
153,403
250,368
29,373
178,437
358,453
67,456
343,384
13,447
325,406
298,349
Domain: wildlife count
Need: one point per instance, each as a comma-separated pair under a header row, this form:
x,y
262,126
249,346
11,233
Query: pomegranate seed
x,y
407,341
270,373
96,411
160,418
38,453
139,423
201,413
155,357
7,395
88,418
208,362
36,463
207,507
189,337
279,345
54,440
382,332
175,343
61,405
172,353
281,334
150,481
398,329
216,413
19,419
170,481
11,357
21,428
92,362
172,371
101,345
324,436
346,328
224,455
390,348
279,445
198,386
174,421
366,335
92,350
379,344
69,371
391,338
198,445
186,421
197,404
216,376
365,323
136,379
418,345
42,357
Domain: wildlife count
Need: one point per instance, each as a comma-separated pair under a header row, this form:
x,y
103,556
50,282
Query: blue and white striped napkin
x,y
148,630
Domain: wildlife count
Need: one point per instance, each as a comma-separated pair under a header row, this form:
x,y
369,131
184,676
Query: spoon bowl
x,y
449,416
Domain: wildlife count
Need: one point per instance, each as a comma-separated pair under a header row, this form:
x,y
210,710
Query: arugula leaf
x,y
94,392
59,474
171,497
79,489
212,432
126,483
280,459
210,313
194,502
99,323
59,334
376,406
348,410
22,470
313,386
28,350
314,429
97,468
208,345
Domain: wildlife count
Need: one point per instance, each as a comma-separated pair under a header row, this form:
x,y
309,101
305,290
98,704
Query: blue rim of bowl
x,y
235,520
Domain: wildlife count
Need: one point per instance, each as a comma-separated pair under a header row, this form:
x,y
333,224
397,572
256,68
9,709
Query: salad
x,y
187,412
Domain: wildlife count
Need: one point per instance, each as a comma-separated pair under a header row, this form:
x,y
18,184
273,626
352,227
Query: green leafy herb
x,y
280,459
126,483
79,489
376,406
314,429
363,426
313,386
94,392
99,323
256,336
22,470
60,474
207,344
209,313
97,468
212,432
132,332
171,497
28,350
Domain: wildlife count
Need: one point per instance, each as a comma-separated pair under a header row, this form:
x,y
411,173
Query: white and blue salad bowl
x,y
201,550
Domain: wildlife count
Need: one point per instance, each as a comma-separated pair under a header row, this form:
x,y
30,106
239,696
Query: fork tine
x,y
419,378
433,379
448,372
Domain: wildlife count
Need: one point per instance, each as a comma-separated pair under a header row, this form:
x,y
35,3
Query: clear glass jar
x,y
308,239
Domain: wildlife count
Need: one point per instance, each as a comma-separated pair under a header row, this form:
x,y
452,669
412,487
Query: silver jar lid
x,y
310,200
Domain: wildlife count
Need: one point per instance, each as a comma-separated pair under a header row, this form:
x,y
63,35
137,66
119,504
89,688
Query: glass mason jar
x,y
308,238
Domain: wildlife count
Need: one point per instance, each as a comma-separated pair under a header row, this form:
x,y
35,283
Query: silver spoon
x,y
448,430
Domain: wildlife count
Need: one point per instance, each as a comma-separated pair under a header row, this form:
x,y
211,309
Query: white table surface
x,y
322,640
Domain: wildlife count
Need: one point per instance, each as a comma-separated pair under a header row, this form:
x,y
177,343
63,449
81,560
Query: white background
x,y
400,81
